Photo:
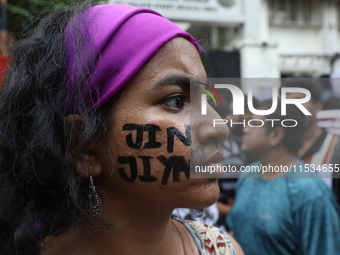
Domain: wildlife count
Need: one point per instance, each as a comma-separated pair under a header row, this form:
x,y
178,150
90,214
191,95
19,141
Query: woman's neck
x,y
137,233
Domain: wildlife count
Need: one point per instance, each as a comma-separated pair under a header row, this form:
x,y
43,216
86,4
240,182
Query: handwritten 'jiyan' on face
x,y
177,164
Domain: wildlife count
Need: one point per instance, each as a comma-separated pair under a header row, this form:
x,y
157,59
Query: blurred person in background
x,y
232,152
333,103
284,211
209,215
326,88
334,76
319,147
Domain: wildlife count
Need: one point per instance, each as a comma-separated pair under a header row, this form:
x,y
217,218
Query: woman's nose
x,y
211,131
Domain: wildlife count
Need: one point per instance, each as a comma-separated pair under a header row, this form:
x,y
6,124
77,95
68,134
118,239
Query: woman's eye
x,y
174,102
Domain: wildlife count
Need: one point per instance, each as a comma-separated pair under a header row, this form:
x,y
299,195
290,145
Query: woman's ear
x,y
84,159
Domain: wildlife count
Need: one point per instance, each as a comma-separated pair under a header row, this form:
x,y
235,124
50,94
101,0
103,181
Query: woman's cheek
x,y
156,151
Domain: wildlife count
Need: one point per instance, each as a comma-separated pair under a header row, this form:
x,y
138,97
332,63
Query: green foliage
x,y
23,15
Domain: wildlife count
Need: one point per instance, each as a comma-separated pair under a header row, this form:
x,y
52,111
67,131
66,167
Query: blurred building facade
x,y
258,38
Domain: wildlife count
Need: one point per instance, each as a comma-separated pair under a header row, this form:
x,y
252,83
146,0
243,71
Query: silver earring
x,y
94,202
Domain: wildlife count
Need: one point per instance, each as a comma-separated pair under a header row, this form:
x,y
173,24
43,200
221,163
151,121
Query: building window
x,y
295,12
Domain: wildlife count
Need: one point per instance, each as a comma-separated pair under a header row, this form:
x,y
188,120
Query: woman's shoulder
x,y
210,240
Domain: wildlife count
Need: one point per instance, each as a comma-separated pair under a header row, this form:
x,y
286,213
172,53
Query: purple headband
x,y
122,39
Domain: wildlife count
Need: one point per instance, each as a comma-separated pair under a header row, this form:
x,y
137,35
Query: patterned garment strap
x,y
209,240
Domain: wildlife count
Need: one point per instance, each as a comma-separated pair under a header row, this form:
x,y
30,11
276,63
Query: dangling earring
x,y
94,202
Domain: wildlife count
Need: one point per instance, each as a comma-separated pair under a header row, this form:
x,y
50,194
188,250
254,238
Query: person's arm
x,y
319,227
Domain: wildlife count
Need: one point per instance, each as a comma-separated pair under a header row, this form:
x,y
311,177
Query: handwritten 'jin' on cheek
x,y
174,163
151,131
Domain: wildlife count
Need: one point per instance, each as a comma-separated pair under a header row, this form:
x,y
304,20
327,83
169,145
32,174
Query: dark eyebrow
x,y
181,80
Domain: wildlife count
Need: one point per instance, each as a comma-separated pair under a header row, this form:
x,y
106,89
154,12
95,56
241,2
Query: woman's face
x,y
145,158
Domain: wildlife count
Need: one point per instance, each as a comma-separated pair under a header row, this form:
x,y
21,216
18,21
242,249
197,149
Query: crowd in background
x,y
281,213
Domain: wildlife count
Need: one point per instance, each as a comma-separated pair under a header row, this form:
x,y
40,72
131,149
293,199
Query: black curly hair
x,y
40,192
